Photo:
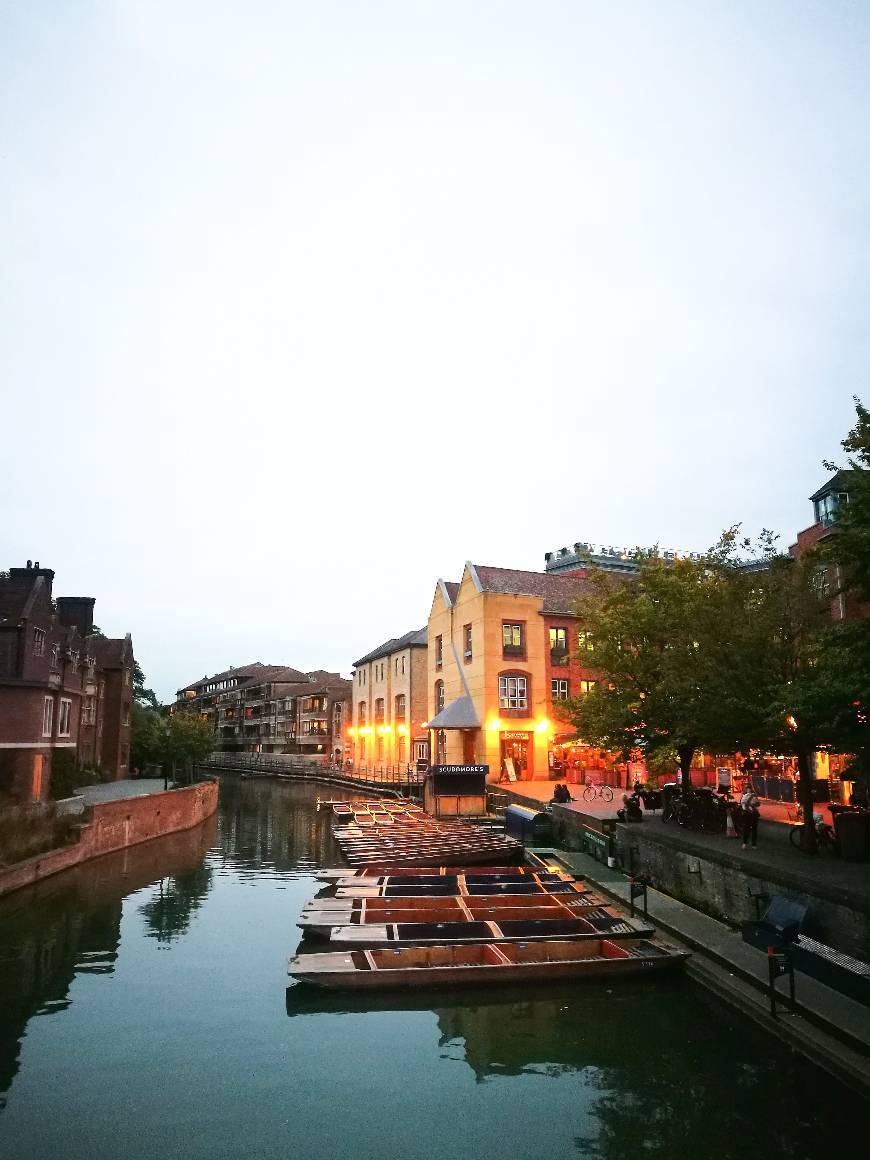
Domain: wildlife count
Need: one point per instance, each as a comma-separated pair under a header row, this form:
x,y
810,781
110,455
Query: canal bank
x,y
118,815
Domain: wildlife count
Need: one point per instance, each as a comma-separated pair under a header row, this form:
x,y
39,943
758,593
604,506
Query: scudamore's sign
x,y
460,769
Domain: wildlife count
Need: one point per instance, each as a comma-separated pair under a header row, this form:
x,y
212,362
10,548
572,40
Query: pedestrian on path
x,y
750,810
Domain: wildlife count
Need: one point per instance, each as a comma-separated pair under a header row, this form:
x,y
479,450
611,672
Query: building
x,y
505,650
258,708
64,689
390,704
827,501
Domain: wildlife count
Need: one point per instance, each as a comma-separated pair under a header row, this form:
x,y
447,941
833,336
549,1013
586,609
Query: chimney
x,y
76,612
23,578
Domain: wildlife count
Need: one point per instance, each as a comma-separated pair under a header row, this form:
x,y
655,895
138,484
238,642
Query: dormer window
x,y
827,505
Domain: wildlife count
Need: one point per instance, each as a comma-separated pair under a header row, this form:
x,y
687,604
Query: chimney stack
x,y
76,612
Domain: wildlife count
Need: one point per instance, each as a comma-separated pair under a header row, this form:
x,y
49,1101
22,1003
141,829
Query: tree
x,y
676,655
148,736
189,738
849,547
141,695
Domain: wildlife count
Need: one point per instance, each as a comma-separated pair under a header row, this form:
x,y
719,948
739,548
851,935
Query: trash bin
x,y
852,833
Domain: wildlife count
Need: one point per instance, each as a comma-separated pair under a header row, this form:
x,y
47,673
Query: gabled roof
x,y
839,482
559,591
332,684
417,638
112,652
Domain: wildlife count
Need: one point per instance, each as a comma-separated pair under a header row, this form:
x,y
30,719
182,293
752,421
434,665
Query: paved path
x,y
831,1028
111,791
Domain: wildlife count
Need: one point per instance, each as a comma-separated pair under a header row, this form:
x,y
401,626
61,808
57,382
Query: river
x,y
145,1012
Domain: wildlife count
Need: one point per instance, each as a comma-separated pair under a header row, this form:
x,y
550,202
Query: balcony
x,y
514,651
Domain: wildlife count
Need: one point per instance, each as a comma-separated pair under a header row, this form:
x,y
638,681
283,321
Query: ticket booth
x,y
455,791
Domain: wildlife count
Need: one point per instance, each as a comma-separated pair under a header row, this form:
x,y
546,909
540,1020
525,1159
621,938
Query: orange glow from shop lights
x,y
494,724
402,730
351,732
542,726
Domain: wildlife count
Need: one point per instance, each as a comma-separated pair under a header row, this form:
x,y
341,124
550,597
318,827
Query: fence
x,y
305,768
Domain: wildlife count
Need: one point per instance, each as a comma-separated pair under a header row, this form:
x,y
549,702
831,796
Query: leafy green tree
x,y
189,738
849,546
141,695
148,735
676,655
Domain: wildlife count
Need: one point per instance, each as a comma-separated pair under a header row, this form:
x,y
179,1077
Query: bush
x,y
67,775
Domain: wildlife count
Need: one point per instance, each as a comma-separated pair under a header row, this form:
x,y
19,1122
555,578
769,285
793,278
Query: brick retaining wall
x,y
116,824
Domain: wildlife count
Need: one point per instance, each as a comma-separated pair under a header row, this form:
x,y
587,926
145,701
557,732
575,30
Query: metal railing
x,y
304,767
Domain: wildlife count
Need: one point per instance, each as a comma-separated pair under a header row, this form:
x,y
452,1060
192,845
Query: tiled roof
x,y
332,684
838,482
417,638
452,587
559,591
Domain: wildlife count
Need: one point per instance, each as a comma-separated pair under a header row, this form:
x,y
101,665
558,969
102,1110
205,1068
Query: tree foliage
x,y
160,740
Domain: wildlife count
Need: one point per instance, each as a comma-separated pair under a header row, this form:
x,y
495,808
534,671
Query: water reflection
x,y
70,925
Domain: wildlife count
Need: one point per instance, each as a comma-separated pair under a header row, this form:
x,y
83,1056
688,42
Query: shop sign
x,y
484,769
516,736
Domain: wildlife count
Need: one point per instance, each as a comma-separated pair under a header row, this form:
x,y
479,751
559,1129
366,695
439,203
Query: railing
x,y
301,766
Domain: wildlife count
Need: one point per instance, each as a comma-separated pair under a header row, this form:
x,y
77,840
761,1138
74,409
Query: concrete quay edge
x,y
829,1028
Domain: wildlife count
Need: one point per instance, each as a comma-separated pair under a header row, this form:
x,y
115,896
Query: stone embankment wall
x,y
723,886
117,824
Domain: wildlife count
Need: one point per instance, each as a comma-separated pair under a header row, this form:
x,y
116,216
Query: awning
x,y
459,714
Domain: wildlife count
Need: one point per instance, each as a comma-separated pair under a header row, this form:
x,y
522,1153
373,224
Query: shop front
x,y
517,755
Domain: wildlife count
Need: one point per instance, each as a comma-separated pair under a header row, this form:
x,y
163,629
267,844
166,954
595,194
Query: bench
x,y
780,925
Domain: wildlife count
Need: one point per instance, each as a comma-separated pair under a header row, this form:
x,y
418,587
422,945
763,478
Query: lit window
x,y
513,693
558,640
560,690
584,641
512,639
587,686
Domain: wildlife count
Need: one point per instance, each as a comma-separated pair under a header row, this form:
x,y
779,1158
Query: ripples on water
x,y
146,1012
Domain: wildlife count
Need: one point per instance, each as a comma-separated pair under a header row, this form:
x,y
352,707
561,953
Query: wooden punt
x,y
481,902
594,924
460,885
470,876
321,923
377,869
462,965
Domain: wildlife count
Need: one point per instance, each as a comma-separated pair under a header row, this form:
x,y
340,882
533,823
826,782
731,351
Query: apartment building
x,y
505,650
63,687
831,497
258,708
390,704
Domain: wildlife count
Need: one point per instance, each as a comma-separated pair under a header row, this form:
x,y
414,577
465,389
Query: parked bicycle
x,y
591,792
826,839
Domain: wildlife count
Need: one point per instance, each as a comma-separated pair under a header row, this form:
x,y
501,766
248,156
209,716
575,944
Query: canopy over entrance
x,y
459,714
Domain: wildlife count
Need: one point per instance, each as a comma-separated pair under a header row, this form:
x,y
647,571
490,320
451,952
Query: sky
x,y
304,305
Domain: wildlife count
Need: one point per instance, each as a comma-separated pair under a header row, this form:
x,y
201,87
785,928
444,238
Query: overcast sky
x,y
304,304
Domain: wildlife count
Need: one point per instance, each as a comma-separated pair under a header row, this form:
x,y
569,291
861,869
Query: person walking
x,y
750,811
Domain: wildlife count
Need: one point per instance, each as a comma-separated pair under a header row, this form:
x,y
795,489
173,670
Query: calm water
x,y
146,1013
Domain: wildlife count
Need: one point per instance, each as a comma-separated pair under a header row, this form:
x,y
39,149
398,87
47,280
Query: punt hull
x,y
387,936
356,970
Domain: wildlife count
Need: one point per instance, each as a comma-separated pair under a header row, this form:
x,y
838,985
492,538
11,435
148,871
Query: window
x,y
560,690
47,716
587,687
400,707
379,750
466,640
55,653
361,713
397,666
439,652
403,666
313,728
337,714
379,711
38,642
126,674
439,696
63,718
558,640
584,641
88,712
513,640
127,715
513,692
74,658
400,750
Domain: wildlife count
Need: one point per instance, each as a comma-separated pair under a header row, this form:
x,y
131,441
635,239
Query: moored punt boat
x,y
330,874
507,962
400,878
461,886
593,925
323,922
484,903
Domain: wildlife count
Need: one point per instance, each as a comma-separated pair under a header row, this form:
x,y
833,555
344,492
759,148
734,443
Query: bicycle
x,y
591,792
826,839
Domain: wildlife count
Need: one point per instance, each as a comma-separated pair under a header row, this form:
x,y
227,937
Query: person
x,y
750,811
630,811
562,794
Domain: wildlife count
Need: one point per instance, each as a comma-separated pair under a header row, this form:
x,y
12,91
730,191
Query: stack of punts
x,y
488,962
419,841
379,869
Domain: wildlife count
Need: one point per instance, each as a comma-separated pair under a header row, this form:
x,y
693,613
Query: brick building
x,y
505,650
63,688
259,708
831,497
